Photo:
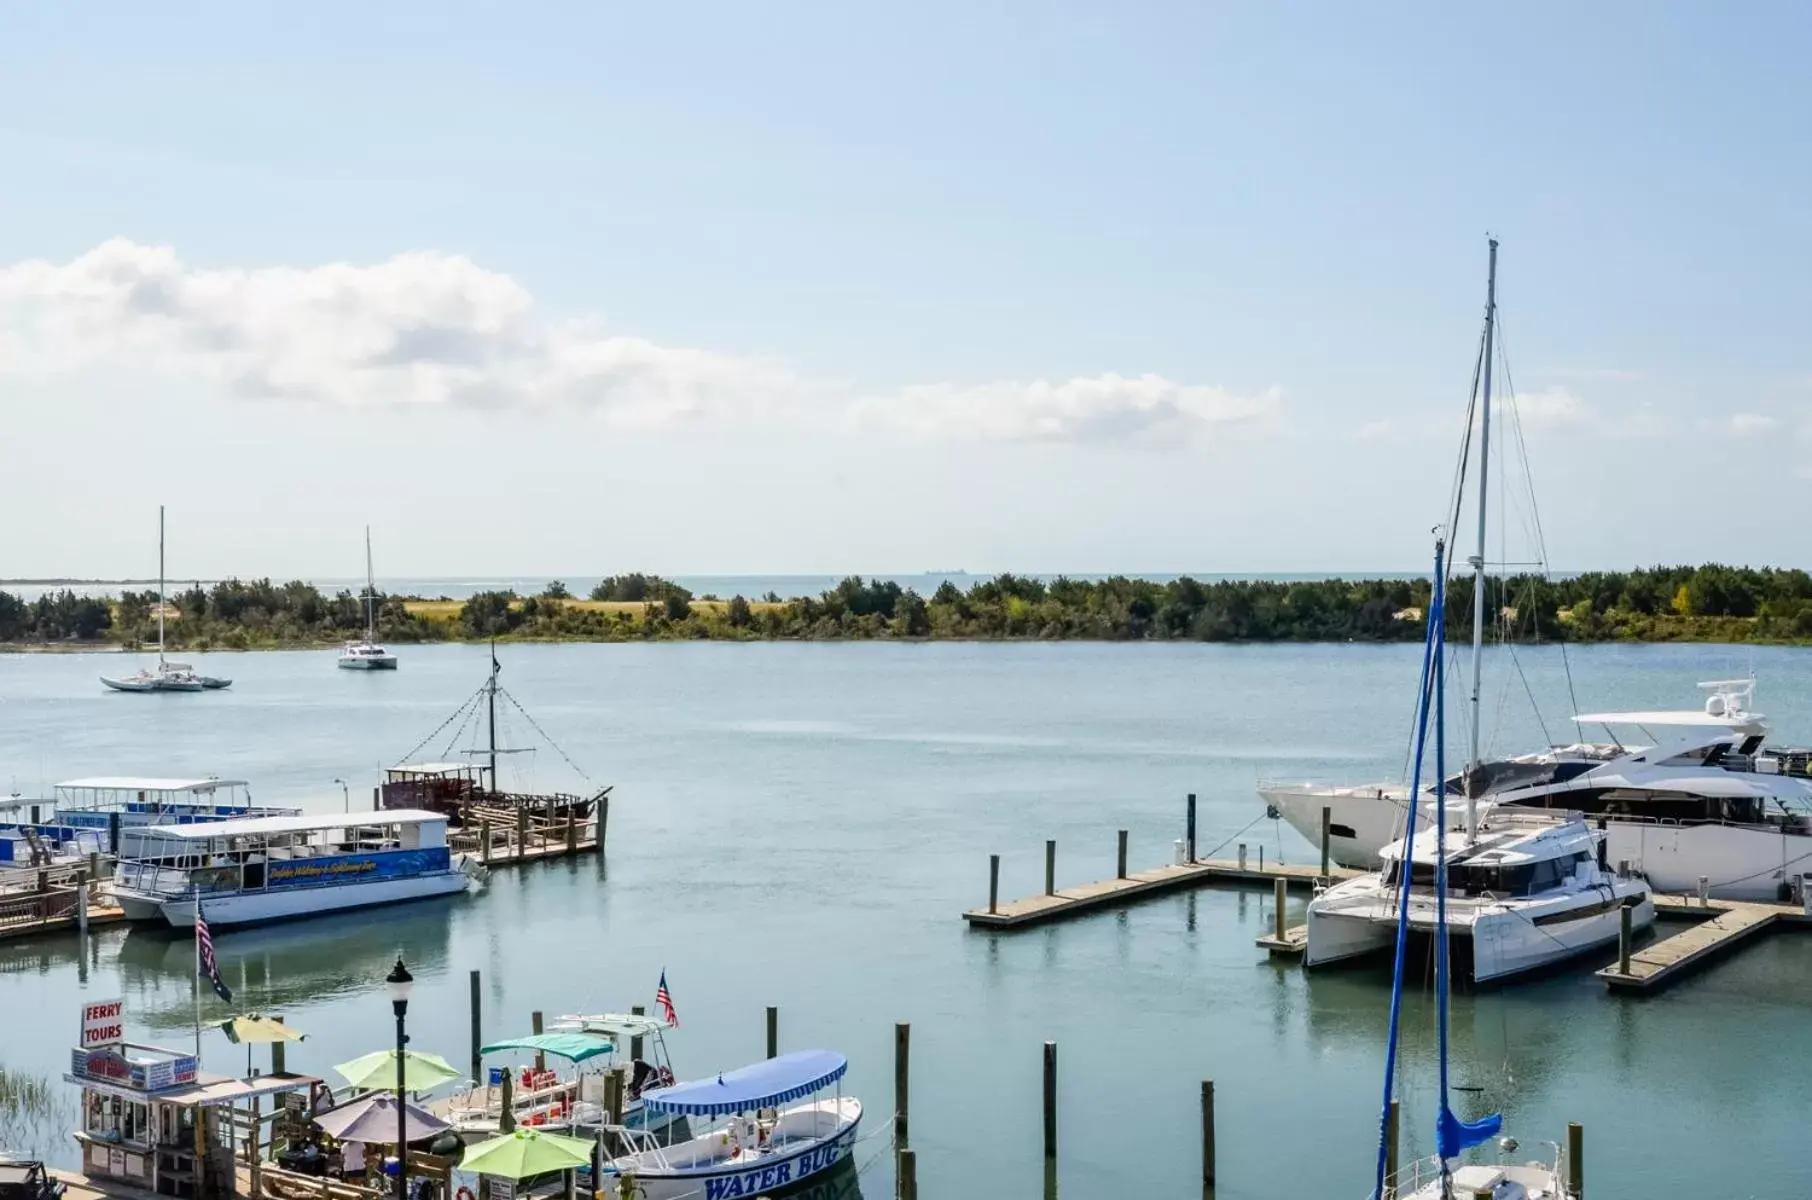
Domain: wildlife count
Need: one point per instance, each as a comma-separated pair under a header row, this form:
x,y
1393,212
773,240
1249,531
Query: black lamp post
x,y
400,982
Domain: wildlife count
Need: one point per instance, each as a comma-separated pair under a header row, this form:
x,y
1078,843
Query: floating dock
x,y
1138,885
1722,925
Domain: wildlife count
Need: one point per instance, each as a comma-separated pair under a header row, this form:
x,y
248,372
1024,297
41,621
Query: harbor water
x,y
801,825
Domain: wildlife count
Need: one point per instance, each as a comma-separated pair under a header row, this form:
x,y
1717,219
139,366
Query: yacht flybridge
x,y
1698,796
367,655
167,676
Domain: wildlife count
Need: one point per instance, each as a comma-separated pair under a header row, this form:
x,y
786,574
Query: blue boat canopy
x,y
763,1085
576,1047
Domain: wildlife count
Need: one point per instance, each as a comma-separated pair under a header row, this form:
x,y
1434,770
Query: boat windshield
x,y
1497,879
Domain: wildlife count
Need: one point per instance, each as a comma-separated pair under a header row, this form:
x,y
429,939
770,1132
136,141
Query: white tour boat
x,y
752,1145
275,868
1692,796
111,814
367,655
1526,890
166,676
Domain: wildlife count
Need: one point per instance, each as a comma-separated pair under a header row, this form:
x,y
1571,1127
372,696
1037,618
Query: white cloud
x,y
1750,424
1105,408
1601,374
419,329
1376,429
1550,408
429,329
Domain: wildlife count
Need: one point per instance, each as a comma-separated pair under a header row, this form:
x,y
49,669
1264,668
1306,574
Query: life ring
x,y
464,1193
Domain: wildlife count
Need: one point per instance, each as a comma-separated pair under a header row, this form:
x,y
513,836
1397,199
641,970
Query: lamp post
x,y
400,983
346,795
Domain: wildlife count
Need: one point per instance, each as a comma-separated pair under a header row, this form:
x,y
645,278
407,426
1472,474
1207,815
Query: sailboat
x,y
167,676
1441,1178
368,655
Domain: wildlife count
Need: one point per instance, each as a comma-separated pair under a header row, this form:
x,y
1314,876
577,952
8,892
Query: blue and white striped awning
x,y
763,1085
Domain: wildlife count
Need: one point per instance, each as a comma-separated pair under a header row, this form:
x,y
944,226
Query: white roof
x,y
256,825
128,783
1684,716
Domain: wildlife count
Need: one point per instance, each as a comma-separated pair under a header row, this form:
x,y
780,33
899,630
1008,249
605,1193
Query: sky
x,y
578,289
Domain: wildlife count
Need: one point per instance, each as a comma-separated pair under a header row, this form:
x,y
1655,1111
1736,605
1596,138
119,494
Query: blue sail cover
x,y
763,1085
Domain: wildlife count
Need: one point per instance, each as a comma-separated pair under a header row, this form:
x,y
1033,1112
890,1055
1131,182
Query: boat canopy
x,y
576,1047
254,826
762,1085
619,1025
126,783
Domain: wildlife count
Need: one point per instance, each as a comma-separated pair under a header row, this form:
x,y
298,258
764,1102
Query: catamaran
x,y
167,676
368,655
111,814
752,1146
275,868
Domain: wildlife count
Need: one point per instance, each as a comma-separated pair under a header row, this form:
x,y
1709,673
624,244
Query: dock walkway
x,y
507,837
45,900
1140,885
1722,926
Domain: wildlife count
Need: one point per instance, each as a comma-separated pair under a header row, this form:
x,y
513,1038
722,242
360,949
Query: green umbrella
x,y
526,1153
377,1071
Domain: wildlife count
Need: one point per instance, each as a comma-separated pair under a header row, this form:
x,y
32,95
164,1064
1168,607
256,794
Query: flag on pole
x,y
664,999
204,958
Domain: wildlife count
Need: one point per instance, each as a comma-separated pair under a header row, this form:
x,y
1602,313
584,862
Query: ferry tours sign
x,y
103,1023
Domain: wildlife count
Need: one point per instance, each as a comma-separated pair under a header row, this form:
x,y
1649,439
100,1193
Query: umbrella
x,y
377,1071
373,1119
254,1028
527,1153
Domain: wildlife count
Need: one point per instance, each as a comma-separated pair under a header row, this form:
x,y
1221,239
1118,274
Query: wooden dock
x,y
1139,885
1722,926
508,837
46,900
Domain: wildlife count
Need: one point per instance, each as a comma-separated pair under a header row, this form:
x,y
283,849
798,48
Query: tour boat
x,y
368,655
111,814
167,676
274,868
751,1145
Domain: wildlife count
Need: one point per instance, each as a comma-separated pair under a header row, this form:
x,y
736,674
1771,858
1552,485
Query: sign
x,y
150,1075
103,1023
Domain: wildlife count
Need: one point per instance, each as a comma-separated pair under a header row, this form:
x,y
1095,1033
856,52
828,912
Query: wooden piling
x,y
376,801
993,883
613,1096
278,1066
603,819
773,1031
572,833
477,1037
521,830
535,1027
635,1041
506,1120
909,1175
484,841
1242,856
1261,858
902,1048
1050,1108
1050,867
1390,1150
1207,1137
81,912
1121,874
1327,830
1282,894
1576,1159
1189,830
1623,940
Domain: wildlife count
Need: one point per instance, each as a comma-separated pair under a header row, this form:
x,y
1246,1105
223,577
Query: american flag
x,y
664,998
204,957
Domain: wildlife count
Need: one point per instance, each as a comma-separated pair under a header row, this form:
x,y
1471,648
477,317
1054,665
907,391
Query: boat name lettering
x,y
316,870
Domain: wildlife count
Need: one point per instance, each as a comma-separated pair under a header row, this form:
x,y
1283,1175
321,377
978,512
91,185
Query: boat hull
x,y
368,664
155,685
256,908
767,1173
1361,820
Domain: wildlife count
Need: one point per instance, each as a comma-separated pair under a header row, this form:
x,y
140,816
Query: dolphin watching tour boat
x,y
751,1145
275,868
111,814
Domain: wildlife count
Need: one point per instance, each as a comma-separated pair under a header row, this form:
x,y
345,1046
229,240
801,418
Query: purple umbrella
x,y
372,1118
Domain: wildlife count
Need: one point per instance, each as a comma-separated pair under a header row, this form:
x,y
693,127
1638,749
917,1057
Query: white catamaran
x,y
368,655
167,676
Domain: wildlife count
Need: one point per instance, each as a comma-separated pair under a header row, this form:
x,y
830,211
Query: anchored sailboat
x,y
368,655
168,676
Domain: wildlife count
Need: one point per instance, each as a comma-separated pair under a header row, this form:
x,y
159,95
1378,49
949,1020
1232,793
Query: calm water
x,y
801,825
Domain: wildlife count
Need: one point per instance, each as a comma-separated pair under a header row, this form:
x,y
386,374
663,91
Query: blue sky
x,y
798,287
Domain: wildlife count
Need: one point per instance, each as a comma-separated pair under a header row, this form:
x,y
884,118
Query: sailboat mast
x,y
491,704
1474,762
160,585
370,592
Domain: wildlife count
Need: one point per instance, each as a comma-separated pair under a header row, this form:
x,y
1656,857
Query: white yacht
x,y
1697,798
274,868
166,676
1526,890
367,655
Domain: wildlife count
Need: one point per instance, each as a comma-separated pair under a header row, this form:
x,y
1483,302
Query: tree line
x,y
1712,602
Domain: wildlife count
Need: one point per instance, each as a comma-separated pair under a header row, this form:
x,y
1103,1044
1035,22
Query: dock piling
x,y
376,800
1207,1138
1283,925
1050,867
113,834
902,1055
506,1118
572,834
82,905
536,1026
1623,940
909,1175
1390,1151
1122,856
477,1037
635,1041
603,819
993,883
521,830
1242,856
613,1094
1575,1160
1327,824
1189,829
1261,858
277,1064
773,1031
484,841
1050,1117
1704,891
